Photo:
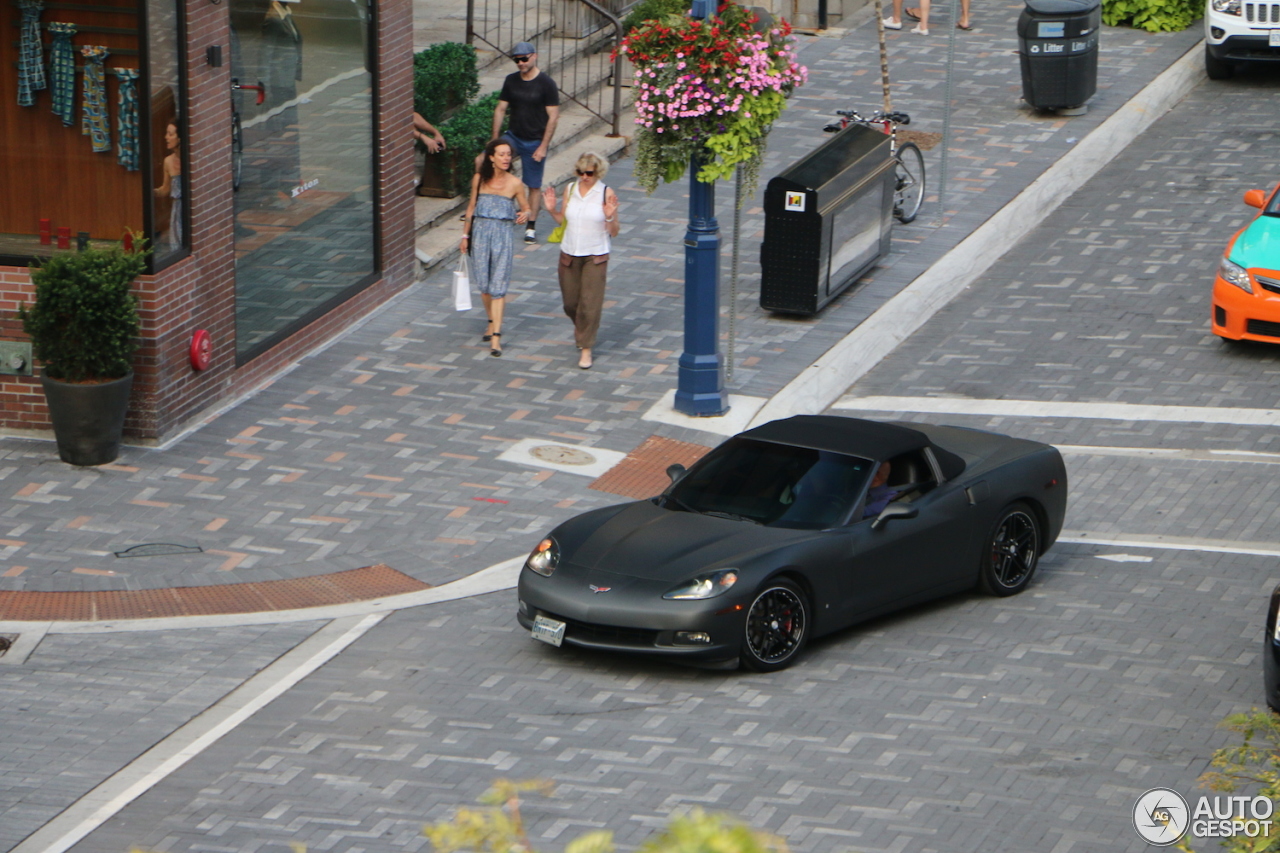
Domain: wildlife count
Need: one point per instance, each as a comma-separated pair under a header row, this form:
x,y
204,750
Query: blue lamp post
x,y
700,385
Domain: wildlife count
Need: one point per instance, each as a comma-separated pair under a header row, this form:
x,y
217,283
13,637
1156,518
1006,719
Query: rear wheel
x,y
1217,69
908,190
1010,555
777,627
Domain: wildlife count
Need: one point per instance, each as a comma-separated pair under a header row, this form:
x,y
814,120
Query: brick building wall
x,y
198,292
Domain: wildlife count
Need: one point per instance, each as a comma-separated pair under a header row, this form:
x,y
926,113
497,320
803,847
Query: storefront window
x,y
302,151
77,114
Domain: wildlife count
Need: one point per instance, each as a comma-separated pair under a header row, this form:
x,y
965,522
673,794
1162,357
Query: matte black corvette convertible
x,y
778,535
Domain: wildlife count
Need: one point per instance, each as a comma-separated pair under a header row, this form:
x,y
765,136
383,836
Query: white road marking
x,y
139,776
1060,409
1123,558
1172,543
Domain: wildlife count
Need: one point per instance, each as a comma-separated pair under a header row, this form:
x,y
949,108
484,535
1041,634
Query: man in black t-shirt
x,y
534,100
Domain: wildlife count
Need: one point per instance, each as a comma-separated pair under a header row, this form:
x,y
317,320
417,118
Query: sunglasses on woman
x,y
586,173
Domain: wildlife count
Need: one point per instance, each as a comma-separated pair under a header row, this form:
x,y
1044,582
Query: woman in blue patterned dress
x,y
498,200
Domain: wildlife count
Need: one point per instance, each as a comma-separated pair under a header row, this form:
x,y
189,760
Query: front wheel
x,y
777,627
908,188
1010,555
1215,68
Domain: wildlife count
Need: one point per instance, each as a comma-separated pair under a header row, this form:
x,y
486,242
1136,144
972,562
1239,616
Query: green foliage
x,y
444,77
1254,764
500,829
84,322
1155,16
651,10
465,136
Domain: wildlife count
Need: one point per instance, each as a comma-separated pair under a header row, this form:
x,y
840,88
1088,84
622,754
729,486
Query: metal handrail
x,y
580,74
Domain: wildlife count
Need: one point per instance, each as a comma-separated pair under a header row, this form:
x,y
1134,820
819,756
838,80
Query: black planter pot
x,y
88,420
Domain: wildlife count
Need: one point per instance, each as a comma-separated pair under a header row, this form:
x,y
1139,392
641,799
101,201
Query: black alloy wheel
x,y
1009,557
777,627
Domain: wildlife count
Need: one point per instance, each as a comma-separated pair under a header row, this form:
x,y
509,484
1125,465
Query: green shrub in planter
x,y
444,77
466,135
1154,16
652,10
84,322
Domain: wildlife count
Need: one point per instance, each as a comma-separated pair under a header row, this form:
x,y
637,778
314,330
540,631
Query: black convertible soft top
x,y
851,436
873,440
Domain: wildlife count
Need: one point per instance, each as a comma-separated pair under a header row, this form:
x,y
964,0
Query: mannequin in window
x,y
171,185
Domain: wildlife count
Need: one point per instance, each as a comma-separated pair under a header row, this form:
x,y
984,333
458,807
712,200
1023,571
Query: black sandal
x,y
496,353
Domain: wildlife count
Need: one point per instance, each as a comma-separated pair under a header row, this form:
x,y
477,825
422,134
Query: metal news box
x,y
827,220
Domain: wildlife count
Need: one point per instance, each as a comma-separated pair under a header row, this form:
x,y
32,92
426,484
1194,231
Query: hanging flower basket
x,y
710,88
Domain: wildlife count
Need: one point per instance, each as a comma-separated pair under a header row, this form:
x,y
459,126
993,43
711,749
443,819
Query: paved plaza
x,y
1022,724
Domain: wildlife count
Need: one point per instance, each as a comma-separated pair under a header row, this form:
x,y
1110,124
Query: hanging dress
x,y
30,54
62,61
127,119
94,122
175,212
492,246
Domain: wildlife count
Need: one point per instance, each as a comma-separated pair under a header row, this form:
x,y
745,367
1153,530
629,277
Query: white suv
x,y
1240,31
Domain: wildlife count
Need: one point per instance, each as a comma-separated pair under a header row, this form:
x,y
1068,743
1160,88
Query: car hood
x,y
648,542
1258,246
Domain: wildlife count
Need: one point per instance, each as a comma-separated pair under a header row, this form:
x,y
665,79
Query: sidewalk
x,y
387,446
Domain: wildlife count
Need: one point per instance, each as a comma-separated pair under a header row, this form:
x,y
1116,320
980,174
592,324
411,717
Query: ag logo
x,y
1161,816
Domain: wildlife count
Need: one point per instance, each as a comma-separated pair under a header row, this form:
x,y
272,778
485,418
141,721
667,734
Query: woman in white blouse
x,y
591,212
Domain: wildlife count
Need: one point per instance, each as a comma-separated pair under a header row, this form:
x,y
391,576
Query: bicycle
x,y
908,167
237,131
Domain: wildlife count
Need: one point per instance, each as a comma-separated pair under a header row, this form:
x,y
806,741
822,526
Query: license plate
x,y
1273,38
548,630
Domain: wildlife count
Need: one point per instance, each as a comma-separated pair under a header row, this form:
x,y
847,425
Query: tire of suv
x,y
1217,69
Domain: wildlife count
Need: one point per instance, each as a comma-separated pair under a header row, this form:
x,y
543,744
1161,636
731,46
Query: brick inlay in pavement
x,y
316,591
643,473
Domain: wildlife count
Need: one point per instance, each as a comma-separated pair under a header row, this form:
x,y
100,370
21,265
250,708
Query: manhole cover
x,y
558,454
158,549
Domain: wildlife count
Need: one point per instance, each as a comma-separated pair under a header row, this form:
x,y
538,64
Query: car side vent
x,y
1267,283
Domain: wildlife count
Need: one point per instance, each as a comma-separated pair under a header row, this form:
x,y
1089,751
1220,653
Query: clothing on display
x,y
94,121
127,118
30,54
62,62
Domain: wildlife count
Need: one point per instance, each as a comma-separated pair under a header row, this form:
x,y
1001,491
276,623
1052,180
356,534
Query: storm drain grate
x,y
158,549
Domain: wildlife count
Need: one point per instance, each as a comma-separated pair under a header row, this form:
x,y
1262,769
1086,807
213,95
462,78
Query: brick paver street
x,y
1023,724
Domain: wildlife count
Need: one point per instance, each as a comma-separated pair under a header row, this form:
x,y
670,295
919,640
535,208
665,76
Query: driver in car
x,y
879,495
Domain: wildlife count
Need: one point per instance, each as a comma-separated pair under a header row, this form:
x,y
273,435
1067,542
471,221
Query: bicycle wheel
x,y
237,151
908,173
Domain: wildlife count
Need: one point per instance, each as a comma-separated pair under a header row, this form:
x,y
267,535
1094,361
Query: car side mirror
x,y
1254,198
675,471
893,511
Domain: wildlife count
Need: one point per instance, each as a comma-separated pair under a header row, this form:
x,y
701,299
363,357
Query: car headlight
x,y
705,586
1235,274
544,558
1227,7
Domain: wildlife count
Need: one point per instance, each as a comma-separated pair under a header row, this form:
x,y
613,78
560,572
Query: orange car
x,y
1246,290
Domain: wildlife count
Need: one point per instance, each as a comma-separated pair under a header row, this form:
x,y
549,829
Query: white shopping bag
x,y
462,286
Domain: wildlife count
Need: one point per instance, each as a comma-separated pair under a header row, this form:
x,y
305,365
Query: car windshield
x,y
773,484
1273,209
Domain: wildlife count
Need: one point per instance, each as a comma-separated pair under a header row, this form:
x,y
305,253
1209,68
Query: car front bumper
x,y
1241,316
634,625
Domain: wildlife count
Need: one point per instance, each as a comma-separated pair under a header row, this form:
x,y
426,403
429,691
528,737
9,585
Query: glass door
x,y
302,146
